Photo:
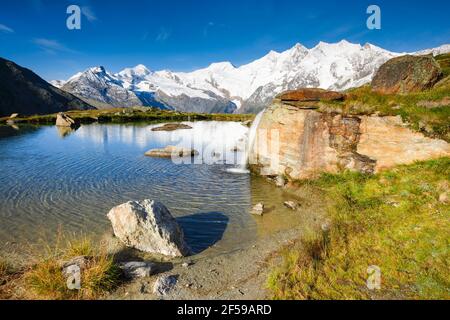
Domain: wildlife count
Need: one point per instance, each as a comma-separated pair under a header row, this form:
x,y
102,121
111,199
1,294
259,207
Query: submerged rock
x,y
247,123
291,205
172,127
280,181
63,120
164,284
258,209
407,74
148,226
172,152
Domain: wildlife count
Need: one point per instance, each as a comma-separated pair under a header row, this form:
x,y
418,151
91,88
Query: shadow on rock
x,y
202,230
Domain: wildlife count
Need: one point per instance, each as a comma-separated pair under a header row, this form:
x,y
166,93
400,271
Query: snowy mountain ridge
x,y
222,87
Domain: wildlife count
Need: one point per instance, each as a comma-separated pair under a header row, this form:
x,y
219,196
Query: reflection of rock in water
x,y
65,131
15,130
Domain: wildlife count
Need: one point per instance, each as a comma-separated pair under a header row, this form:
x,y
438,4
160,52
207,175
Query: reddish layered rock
x,y
309,95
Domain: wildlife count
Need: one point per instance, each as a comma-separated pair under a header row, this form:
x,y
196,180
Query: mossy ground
x,y
393,220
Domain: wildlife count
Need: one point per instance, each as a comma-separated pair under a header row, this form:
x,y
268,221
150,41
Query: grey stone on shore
x,y
137,269
148,226
164,284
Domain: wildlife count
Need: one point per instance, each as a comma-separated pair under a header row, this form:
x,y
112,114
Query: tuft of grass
x,y
45,280
7,277
393,220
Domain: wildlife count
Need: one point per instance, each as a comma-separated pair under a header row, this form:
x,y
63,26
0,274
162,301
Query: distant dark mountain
x,y
24,92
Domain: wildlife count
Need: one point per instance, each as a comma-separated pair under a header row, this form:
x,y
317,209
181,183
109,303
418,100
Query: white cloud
x,y
5,29
51,46
88,13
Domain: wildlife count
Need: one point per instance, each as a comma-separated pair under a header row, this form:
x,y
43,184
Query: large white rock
x,y
148,226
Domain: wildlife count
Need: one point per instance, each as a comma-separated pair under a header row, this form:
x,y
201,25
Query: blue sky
x,y
190,34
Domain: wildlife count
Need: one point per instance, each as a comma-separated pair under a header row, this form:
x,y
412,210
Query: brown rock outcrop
x,y
310,94
407,74
308,98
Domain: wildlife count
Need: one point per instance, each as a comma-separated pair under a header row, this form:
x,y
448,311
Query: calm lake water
x,y
52,179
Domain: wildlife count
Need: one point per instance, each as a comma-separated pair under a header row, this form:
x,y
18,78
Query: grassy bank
x,y
427,112
397,220
123,115
44,279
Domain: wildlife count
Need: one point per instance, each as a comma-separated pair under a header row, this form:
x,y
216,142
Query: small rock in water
x,y
137,269
280,181
164,284
172,152
291,205
63,120
258,209
172,127
247,123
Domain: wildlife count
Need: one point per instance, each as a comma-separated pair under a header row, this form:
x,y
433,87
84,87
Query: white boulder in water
x,y
148,226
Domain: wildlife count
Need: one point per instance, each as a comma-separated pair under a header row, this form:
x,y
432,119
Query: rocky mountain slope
x,y
24,92
222,87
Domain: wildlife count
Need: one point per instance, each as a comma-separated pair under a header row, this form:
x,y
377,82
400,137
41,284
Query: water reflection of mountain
x,y
213,139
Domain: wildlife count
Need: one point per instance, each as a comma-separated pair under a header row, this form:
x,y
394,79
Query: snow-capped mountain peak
x,y
222,86
139,71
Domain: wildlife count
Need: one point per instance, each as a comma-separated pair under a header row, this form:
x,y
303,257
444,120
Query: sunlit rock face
x,y
301,144
391,143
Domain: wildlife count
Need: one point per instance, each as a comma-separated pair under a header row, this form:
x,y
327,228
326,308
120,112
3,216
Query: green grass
x,y
124,115
393,220
427,112
45,279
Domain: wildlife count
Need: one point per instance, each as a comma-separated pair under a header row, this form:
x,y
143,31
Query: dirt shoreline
x,y
238,275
